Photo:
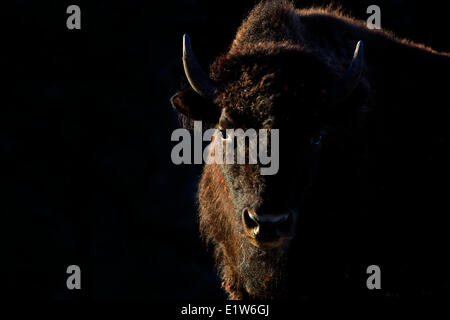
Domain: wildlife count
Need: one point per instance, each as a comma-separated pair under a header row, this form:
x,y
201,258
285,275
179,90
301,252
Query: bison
x,y
363,123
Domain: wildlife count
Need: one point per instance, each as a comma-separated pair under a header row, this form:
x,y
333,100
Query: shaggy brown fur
x,y
275,75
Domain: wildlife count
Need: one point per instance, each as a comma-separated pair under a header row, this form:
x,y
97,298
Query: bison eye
x,y
316,139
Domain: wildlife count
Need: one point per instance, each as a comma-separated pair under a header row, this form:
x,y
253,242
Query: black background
x,y
85,125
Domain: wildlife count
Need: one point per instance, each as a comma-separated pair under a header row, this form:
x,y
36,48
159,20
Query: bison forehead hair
x,y
274,81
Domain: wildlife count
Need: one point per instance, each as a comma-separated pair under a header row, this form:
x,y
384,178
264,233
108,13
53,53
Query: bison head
x,y
250,217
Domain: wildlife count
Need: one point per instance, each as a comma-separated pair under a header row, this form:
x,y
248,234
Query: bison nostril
x,y
250,221
267,228
285,226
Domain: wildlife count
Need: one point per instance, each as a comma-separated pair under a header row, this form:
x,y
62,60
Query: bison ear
x,y
188,103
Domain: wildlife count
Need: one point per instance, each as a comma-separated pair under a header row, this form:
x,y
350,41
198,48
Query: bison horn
x,y
197,78
345,86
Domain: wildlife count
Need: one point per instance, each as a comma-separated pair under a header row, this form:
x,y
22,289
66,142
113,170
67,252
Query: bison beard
x,y
264,272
